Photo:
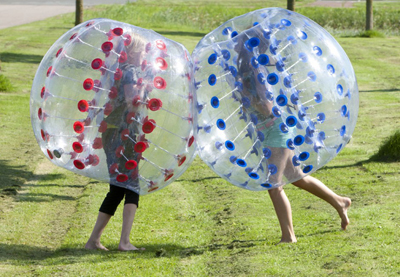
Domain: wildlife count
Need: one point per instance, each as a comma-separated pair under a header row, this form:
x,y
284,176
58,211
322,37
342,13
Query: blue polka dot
x,y
229,145
317,51
212,79
214,102
212,59
221,124
307,169
254,176
241,163
226,31
226,54
272,79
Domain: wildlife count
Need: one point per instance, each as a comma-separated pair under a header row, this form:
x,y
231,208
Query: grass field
x,y
200,225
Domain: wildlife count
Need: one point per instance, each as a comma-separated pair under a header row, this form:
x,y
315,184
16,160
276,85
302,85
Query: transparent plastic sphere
x,y
277,98
115,102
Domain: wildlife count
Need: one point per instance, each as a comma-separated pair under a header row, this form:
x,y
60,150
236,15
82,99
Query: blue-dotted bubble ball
x,y
116,102
277,98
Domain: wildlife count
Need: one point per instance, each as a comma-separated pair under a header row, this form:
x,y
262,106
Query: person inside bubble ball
x,y
121,100
275,140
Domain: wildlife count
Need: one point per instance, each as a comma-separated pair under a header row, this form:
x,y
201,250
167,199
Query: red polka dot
x,y
59,52
78,127
103,127
148,126
129,117
96,160
118,31
40,113
107,46
42,92
128,39
89,23
139,82
90,159
97,143
161,63
88,84
118,74
108,108
79,164
122,178
160,83
181,159
154,104
113,93
123,57
49,70
136,100
42,133
125,134
168,176
144,65
83,106
78,148
120,150
160,45
152,189
113,168
73,36
148,47
49,153
97,63
140,147
191,140
131,164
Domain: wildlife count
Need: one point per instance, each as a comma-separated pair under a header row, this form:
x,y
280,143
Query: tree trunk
x,y
79,12
290,4
370,20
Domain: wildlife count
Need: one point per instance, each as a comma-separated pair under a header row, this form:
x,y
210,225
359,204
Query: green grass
x,y
390,149
200,225
5,84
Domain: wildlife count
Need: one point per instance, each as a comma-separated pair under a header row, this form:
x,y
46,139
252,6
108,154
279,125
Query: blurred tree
x,y
370,20
290,5
79,12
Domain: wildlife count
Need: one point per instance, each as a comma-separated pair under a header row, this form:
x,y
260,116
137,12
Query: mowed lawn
x,y
200,225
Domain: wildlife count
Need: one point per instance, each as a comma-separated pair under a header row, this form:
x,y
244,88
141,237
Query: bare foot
x,y
95,246
288,240
343,212
129,247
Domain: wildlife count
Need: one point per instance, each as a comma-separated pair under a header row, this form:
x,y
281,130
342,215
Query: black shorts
x,y
115,196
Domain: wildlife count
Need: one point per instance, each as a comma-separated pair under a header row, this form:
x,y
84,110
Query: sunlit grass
x,y
200,225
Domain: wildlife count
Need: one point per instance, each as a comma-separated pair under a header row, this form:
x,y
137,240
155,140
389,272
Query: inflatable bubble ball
x,y
114,102
277,98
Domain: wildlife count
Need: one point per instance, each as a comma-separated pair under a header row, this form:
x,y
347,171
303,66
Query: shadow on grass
x,y
26,254
381,90
9,57
177,33
198,180
14,178
372,159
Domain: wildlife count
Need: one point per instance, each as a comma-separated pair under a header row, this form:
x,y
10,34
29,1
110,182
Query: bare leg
x,y
284,213
316,187
278,196
128,216
94,240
